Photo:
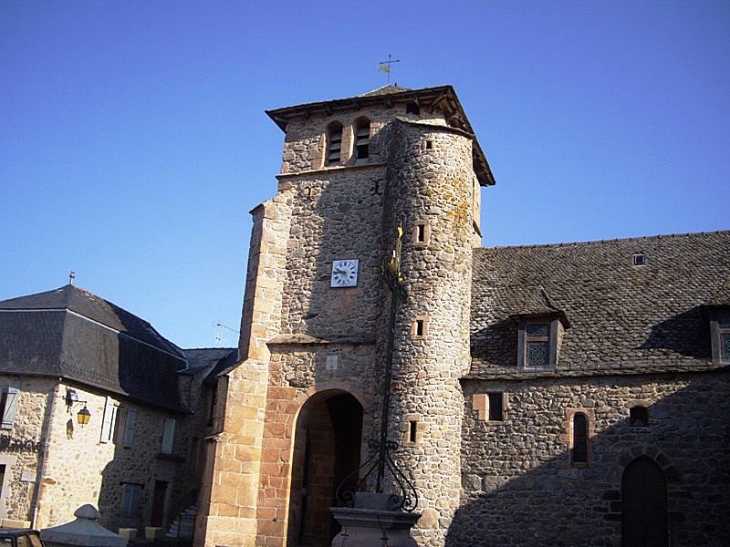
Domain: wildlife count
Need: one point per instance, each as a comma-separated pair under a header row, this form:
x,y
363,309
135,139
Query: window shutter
x,y
107,424
130,500
9,406
129,428
168,435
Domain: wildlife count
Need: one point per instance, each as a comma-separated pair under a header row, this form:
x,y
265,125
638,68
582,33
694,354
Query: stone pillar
x,y
229,508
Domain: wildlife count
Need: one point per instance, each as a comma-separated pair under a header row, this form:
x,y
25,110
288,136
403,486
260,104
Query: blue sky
x,y
134,140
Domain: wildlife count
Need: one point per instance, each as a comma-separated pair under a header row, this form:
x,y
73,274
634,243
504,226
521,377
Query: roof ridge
x,y
602,241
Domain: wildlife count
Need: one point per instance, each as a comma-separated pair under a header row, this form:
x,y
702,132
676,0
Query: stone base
x,y
130,534
154,534
367,525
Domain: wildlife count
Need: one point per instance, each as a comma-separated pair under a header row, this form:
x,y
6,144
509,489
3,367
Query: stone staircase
x,y
184,525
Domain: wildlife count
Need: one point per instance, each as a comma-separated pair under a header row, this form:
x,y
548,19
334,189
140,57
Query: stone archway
x,y
327,441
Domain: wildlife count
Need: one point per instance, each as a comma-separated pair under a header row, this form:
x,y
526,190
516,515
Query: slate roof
x,y
620,316
214,360
73,334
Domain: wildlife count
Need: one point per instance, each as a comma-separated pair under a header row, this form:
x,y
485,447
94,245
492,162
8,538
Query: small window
x,y
421,233
429,144
419,328
8,406
639,259
720,333
334,143
580,438
168,436
413,431
362,140
639,415
496,406
537,343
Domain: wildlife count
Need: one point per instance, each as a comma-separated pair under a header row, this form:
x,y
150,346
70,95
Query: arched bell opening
x,y
327,443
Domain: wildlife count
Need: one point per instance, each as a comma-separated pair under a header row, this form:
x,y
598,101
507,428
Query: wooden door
x,y
644,497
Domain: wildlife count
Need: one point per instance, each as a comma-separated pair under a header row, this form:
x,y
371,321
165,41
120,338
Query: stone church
x,y
556,395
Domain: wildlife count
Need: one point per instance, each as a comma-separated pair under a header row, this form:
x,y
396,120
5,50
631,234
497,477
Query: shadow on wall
x,y
515,497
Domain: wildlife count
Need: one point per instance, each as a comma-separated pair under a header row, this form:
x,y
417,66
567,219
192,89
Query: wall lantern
x,y
83,416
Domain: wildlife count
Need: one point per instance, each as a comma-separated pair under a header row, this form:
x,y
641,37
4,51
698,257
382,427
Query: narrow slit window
x,y
420,233
580,438
420,328
429,144
412,431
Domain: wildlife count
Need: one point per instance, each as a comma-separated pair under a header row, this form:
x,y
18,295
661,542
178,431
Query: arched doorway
x,y
326,450
644,500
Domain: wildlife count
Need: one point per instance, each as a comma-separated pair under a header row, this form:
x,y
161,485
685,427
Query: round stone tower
x,y
431,186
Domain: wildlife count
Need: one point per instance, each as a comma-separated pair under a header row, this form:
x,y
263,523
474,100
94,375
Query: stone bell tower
x,y
295,418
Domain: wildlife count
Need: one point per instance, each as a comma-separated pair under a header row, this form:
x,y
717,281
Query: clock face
x,y
344,273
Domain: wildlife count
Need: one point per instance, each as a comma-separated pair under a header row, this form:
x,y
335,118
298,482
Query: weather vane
x,y
385,66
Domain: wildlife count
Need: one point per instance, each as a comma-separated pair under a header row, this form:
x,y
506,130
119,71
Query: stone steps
x,y
184,525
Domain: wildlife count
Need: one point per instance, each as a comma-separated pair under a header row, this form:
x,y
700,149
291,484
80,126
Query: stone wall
x,y
520,487
21,446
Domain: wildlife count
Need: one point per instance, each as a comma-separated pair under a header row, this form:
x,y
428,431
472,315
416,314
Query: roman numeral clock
x,y
344,273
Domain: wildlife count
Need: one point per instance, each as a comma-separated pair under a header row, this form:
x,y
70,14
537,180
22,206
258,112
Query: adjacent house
x,y
98,407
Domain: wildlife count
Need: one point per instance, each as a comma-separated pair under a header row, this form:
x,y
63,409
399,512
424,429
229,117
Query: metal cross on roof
x,y
385,66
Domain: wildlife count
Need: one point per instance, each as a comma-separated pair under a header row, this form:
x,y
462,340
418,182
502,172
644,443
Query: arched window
x,y
362,139
580,438
334,143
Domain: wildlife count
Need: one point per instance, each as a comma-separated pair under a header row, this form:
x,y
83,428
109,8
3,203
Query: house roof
x,y
74,334
212,360
621,316
441,98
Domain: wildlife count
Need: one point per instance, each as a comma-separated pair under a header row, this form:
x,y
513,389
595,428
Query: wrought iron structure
x,y
382,461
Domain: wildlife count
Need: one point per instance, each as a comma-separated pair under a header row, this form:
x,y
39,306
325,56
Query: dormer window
x,y
537,345
537,340
362,139
720,333
334,143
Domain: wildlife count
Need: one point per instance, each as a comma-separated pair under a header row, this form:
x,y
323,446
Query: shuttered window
x,y
129,427
362,140
8,406
168,436
334,143
109,421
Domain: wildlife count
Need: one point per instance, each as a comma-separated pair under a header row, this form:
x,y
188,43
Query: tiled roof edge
x,y
604,241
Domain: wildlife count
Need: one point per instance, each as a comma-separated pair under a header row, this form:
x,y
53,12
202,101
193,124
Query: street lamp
x,y
83,416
